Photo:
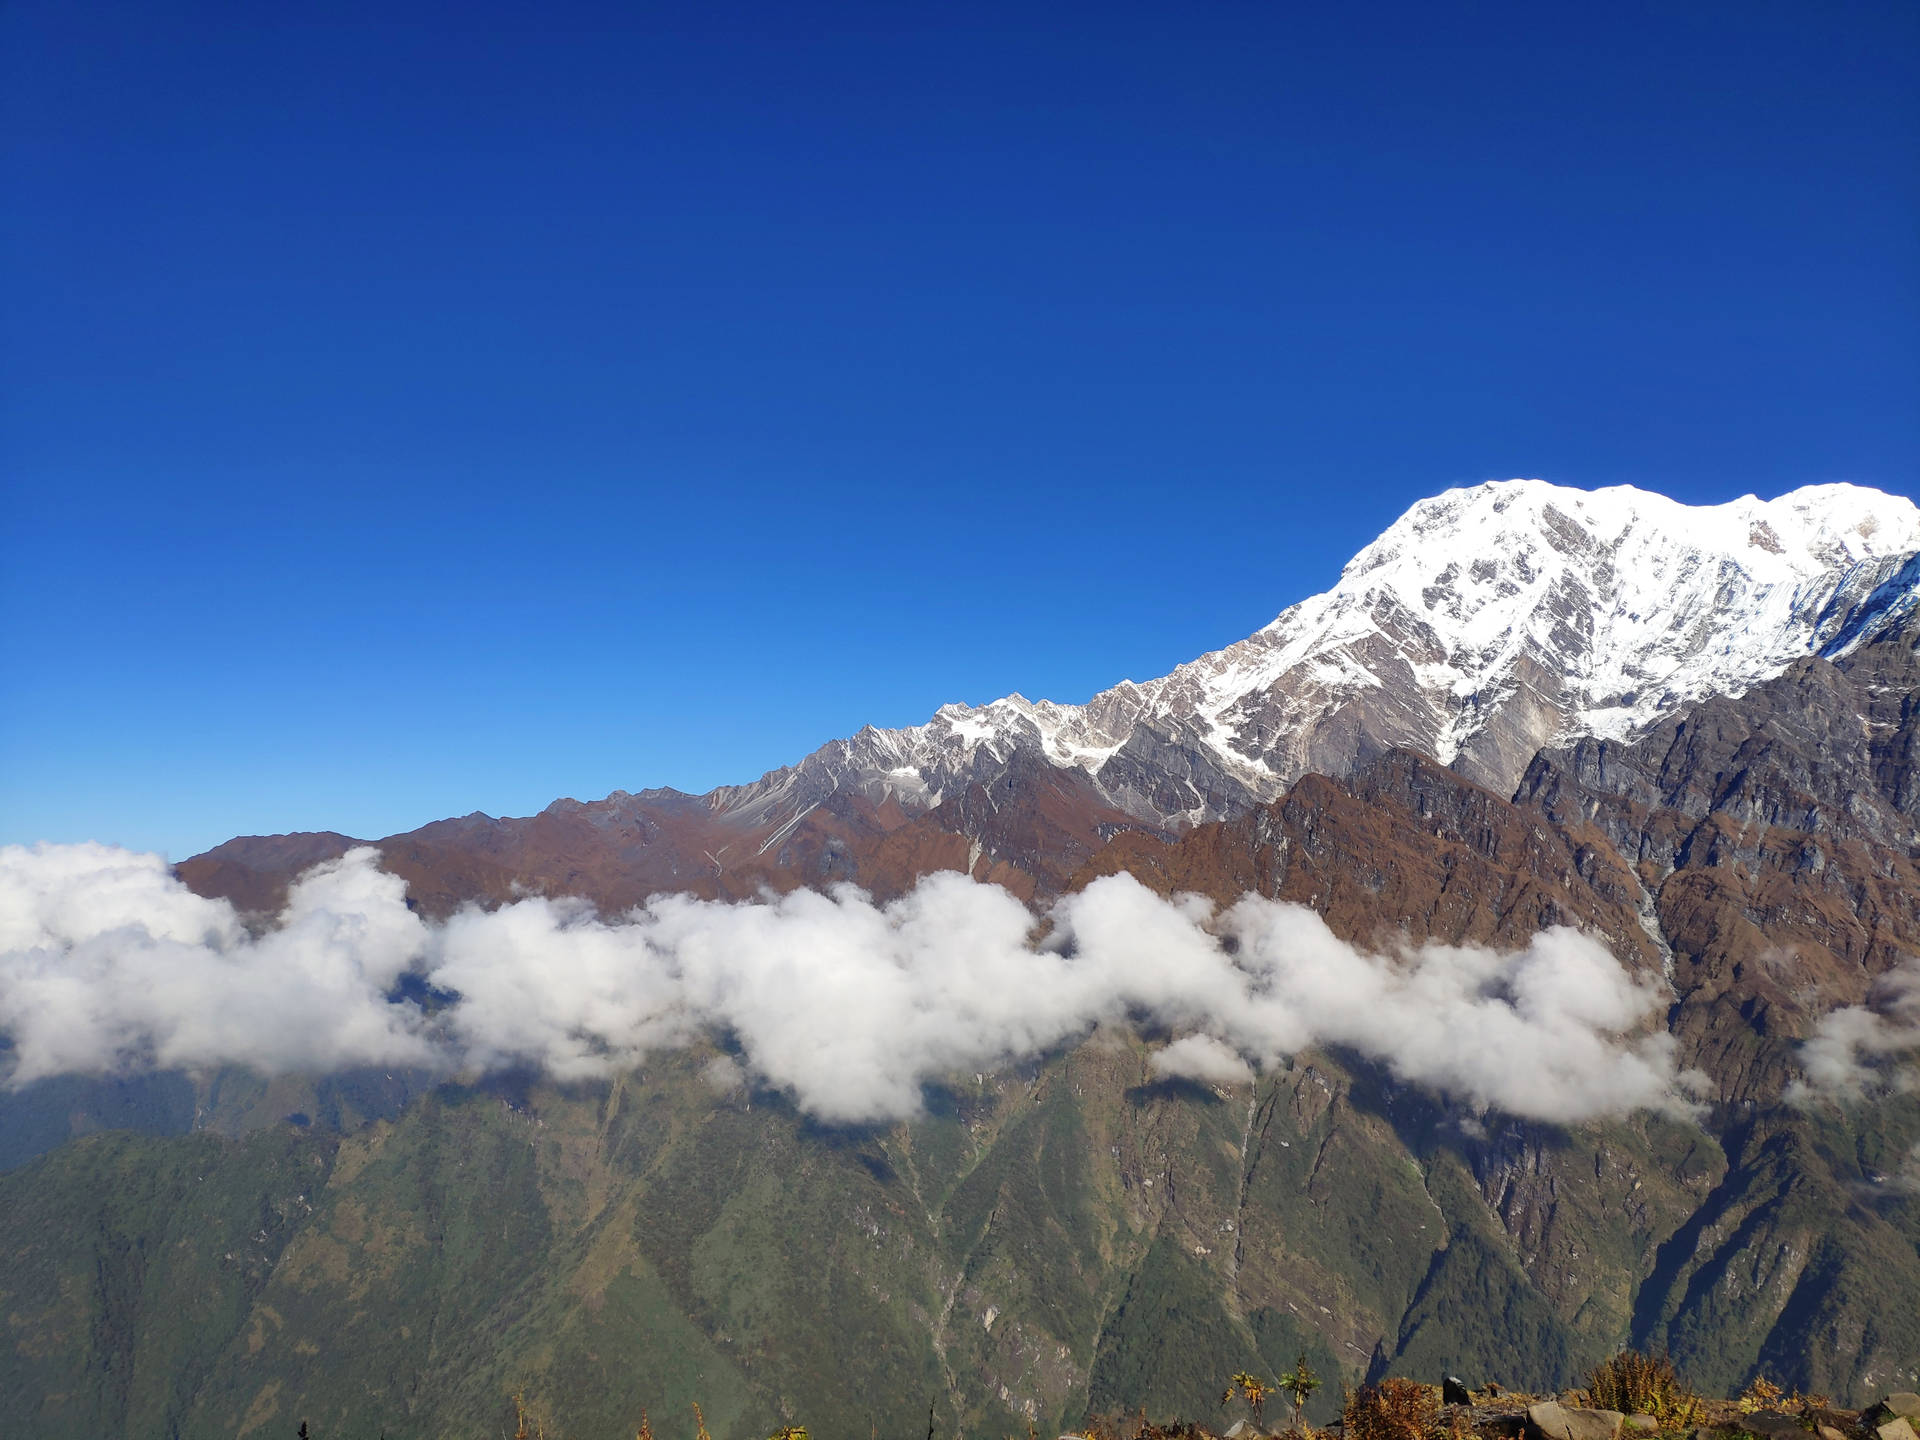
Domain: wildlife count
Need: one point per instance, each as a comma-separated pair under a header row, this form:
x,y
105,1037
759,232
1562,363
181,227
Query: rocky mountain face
x,y
1695,734
1777,840
1760,851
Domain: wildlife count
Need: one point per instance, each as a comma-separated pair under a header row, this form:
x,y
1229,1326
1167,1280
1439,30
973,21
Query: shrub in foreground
x,y
1391,1410
1637,1384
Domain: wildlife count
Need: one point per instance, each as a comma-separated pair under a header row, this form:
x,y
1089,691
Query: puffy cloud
x,y
1203,1058
1540,1032
724,1075
1844,1058
109,964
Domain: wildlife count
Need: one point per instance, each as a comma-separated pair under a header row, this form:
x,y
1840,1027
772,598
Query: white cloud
x,y
1203,1058
109,964
1539,1032
1844,1058
723,1075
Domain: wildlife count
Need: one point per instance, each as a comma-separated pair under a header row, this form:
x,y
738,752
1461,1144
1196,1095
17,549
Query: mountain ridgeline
x,y
1691,732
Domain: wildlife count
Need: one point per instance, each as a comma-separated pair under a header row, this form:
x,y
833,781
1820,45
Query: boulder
x,y
1551,1420
1898,1428
1829,1432
1453,1391
1642,1422
1904,1403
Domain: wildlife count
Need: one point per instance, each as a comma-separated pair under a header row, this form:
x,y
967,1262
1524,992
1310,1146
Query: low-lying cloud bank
x,y
1847,1057
109,965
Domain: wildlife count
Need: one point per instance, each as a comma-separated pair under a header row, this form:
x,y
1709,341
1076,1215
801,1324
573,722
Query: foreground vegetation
x,y
1631,1393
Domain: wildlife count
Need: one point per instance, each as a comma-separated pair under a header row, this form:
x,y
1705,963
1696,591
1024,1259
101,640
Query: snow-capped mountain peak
x,y
1484,623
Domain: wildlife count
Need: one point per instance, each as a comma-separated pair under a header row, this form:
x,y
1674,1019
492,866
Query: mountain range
x,y
1482,626
1693,732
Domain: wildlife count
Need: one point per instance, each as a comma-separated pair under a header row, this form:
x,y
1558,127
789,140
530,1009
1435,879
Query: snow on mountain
x,y
1484,624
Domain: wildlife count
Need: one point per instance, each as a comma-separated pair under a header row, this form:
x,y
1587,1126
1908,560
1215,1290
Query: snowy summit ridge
x,y
1483,624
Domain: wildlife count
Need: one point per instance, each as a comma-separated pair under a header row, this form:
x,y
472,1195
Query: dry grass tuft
x,y
1392,1410
1637,1384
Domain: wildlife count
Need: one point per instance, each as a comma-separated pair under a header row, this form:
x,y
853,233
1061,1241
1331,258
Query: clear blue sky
x,y
414,409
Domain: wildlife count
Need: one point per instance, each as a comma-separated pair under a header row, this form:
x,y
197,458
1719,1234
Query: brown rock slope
x,y
1778,835
1406,848
1028,827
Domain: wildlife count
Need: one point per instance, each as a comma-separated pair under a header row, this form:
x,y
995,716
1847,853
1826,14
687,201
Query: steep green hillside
x,y
1077,1235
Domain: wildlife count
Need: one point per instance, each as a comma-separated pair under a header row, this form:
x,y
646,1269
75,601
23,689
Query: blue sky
x,y
409,410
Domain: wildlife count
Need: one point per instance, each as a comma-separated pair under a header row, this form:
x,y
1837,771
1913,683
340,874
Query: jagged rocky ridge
x,y
1483,625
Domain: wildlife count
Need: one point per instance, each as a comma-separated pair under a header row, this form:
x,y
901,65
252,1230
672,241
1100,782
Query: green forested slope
x,y
1042,1242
